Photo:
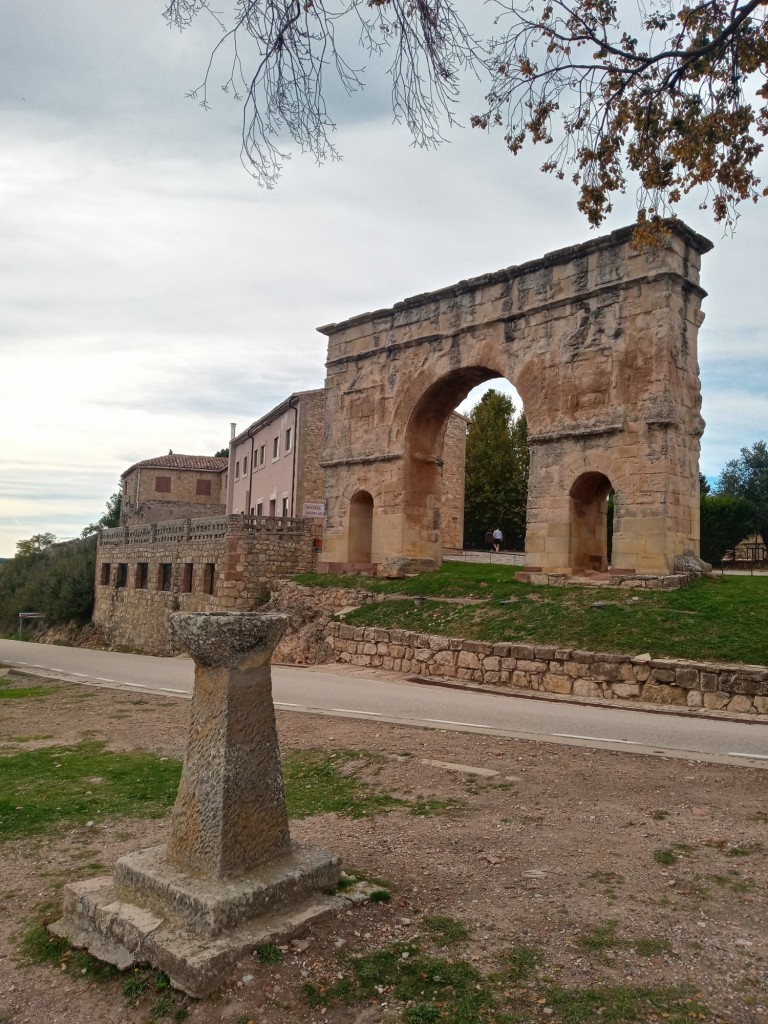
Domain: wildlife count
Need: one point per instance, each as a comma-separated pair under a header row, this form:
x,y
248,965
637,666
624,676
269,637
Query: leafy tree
x,y
660,89
111,516
56,580
747,477
222,453
704,487
34,544
725,521
496,484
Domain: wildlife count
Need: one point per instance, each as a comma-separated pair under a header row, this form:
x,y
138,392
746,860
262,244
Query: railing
x,y
206,528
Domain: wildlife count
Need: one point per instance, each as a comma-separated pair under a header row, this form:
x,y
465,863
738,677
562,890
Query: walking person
x,y
498,538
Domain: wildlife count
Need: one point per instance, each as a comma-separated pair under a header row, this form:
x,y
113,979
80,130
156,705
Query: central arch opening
x,y
435,494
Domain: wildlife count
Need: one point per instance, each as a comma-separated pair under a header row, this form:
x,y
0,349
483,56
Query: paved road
x,y
332,692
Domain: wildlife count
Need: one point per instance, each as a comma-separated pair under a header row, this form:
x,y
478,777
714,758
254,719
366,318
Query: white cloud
x,y
150,293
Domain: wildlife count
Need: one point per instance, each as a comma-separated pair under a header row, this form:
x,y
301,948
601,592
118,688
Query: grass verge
x,y
713,619
77,784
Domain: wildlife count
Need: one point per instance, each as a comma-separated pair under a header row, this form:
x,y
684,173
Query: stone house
x,y
173,487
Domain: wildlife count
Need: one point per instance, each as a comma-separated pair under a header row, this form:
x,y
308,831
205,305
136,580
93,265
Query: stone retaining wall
x,y
719,687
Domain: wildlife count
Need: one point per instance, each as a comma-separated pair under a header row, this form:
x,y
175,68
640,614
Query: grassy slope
x,y
714,620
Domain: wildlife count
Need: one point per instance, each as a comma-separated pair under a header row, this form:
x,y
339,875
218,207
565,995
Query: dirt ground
x,y
562,841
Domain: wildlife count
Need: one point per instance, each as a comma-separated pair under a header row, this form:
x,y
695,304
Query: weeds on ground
x,y
15,686
268,953
444,931
148,988
319,782
604,937
441,991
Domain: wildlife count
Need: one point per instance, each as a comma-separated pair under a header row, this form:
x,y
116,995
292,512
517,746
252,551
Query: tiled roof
x,y
200,463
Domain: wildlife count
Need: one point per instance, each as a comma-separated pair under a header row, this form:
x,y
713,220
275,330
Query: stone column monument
x,y
230,878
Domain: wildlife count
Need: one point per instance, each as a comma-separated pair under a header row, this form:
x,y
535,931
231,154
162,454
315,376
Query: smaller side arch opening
x,y
360,527
588,541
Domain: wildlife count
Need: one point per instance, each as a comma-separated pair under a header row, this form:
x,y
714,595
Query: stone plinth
x,y
229,878
230,812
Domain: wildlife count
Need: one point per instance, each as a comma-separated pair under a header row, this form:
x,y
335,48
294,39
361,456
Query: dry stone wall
x,y
717,687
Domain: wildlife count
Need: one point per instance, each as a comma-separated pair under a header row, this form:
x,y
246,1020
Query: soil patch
x,y
597,871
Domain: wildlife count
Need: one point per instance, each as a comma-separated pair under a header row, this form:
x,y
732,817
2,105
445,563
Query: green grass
x,y
445,931
454,579
624,1004
319,782
268,953
15,686
75,784
604,937
431,990
717,620
38,946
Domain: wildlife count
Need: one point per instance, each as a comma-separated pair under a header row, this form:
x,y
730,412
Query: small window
x,y
203,487
260,509
186,578
276,447
285,506
142,575
288,439
106,569
272,507
164,576
245,466
237,470
122,574
262,455
209,577
163,484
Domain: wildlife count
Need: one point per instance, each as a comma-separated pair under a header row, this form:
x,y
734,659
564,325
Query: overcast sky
x,y
151,293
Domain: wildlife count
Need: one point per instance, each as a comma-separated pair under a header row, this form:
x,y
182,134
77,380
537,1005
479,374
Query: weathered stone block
x,y
654,693
740,704
688,678
554,683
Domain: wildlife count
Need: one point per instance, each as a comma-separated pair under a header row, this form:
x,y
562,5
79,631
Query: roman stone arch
x,y
600,342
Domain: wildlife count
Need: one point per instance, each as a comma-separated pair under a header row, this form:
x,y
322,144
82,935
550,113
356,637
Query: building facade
x,y
274,465
173,487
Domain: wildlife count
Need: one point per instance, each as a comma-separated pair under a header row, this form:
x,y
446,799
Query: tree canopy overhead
x,y
669,94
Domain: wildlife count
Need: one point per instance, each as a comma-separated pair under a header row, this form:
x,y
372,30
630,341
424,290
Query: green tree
x,y
35,544
747,477
222,453
110,517
56,579
725,522
496,484
669,92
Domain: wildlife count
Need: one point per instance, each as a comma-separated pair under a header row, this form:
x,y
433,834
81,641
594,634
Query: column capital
x,y
224,639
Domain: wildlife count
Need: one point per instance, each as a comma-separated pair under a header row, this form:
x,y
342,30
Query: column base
x,y
195,929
